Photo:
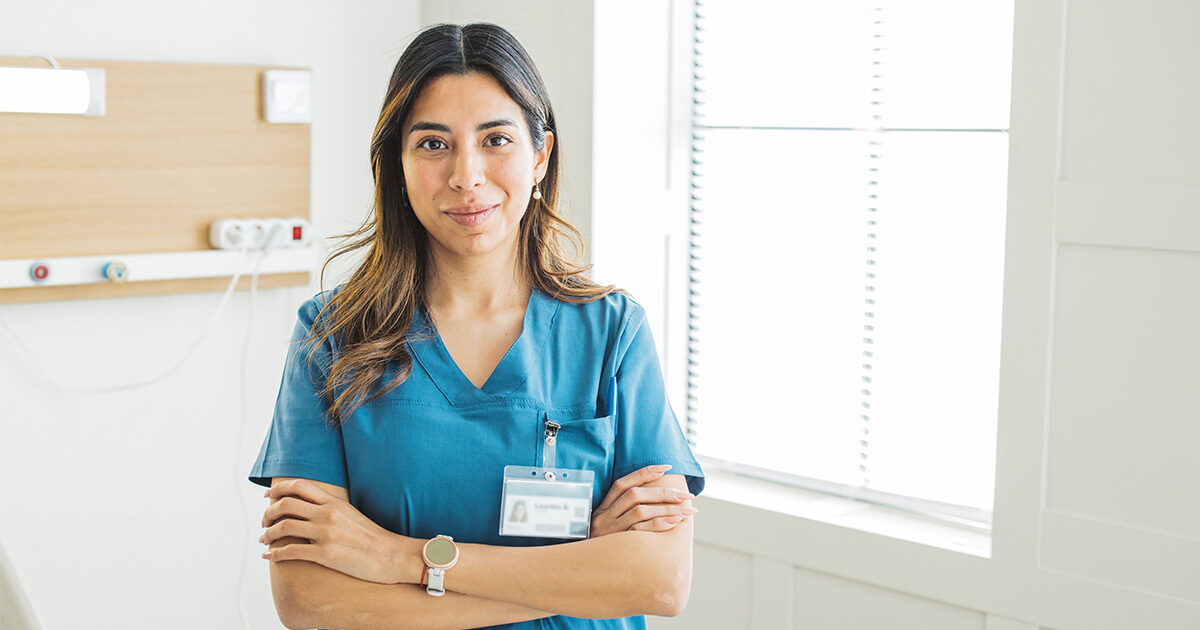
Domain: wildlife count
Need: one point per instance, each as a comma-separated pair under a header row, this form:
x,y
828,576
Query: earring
x,y
537,194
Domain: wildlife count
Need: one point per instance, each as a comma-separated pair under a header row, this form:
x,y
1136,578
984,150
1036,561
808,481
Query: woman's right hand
x,y
629,506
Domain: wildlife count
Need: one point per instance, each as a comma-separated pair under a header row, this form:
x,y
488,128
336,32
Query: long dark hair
x,y
371,316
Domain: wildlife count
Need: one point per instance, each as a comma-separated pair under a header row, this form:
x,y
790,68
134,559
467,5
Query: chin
x,y
473,248
485,242
479,244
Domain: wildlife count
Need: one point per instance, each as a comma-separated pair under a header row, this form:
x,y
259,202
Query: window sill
x,y
767,496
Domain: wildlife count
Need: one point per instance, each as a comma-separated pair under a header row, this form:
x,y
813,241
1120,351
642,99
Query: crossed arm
x,y
616,575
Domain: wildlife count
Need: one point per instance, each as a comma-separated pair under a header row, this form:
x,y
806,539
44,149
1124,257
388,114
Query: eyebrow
x,y
432,126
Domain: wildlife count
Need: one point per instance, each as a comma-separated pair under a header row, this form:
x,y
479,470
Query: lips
x,y
471,216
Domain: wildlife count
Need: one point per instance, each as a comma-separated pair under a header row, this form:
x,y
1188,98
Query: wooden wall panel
x,y
180,146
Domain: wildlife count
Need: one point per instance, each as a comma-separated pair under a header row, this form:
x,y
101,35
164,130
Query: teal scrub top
x,y
428,457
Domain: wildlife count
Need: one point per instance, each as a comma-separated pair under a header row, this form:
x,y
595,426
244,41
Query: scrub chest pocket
x,y
585,443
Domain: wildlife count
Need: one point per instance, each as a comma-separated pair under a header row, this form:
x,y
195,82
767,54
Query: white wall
x,y
122,510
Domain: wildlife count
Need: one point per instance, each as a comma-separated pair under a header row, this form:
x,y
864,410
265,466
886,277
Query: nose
x,y
468,169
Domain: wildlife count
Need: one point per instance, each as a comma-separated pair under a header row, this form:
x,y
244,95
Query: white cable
x,y
42,375
248,548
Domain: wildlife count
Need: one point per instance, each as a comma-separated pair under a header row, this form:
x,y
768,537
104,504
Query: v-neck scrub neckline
x,y
508,375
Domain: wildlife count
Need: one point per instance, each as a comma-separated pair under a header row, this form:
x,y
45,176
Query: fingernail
x,y
267,493
690,510
662,467
685,494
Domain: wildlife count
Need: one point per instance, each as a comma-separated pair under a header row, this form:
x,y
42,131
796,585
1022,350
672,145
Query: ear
x,y
542,158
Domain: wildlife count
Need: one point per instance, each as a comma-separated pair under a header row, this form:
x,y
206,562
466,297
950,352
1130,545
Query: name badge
x,y
546,502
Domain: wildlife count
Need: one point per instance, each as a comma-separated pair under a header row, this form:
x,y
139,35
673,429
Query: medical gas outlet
x,y
270,246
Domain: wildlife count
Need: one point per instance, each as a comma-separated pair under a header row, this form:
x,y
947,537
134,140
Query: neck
x,y
476,284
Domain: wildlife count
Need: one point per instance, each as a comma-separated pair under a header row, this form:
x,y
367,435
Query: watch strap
x,y
436,579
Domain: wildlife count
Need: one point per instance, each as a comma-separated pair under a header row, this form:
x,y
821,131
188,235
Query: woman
x,y
464,353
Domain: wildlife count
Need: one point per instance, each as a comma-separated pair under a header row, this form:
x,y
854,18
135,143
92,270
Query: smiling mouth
x,y
472,218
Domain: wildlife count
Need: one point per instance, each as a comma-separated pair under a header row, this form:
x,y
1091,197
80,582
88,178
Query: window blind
x,y
849,169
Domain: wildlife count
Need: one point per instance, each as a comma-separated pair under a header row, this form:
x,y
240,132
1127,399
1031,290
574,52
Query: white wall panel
x,y
1132,556
1129,215
1130,92
1000,623
774,585
823,601
1124,429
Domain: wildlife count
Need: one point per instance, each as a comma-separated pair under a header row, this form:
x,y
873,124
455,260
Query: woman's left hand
x,y
340,537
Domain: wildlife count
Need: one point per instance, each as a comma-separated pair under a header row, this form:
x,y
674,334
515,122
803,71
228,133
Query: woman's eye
x,y
497,141
433,144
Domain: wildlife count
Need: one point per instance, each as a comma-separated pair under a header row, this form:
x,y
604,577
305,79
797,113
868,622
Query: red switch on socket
x,y
297,232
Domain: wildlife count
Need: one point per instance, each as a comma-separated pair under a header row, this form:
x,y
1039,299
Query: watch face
x,y
440,552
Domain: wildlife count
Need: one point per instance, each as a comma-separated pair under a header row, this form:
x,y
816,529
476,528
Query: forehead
x,y
462,102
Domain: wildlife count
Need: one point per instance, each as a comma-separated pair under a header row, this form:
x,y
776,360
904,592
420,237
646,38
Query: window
x,y
847,245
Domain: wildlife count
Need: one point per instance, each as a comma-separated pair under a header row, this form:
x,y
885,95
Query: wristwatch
x,y
440,553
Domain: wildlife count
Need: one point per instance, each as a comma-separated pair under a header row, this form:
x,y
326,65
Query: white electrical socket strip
x,y
255,233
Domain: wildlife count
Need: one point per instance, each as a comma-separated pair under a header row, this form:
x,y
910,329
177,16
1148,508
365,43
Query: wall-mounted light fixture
x,y
52,90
